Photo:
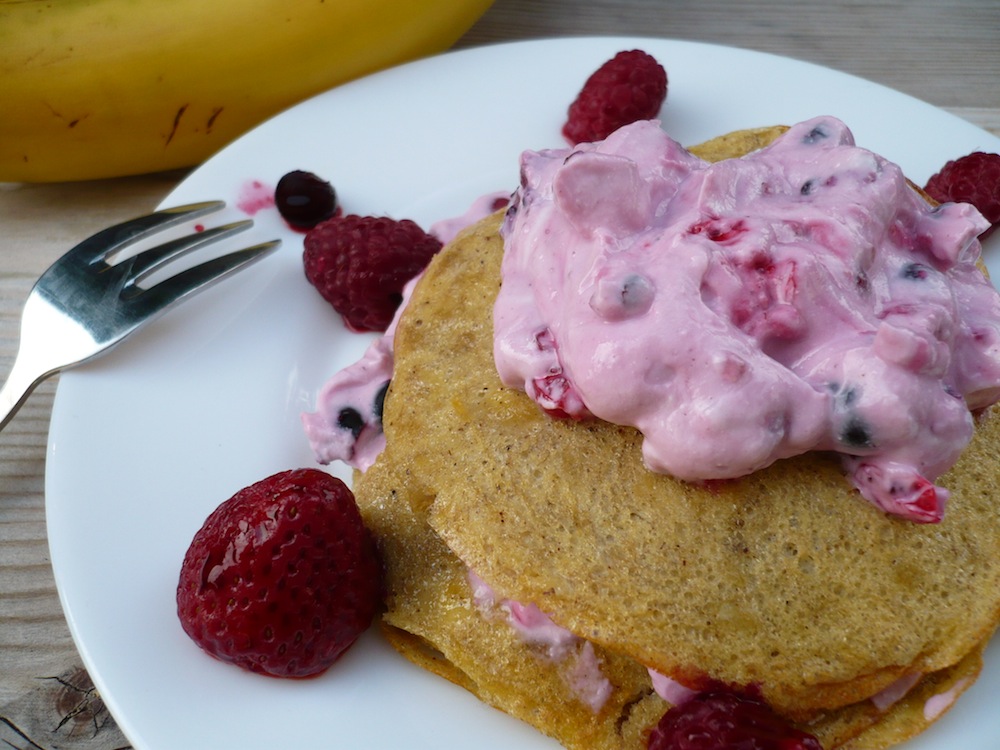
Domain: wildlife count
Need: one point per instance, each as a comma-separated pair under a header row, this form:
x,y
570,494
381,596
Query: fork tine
x,y
142,264
99,246
156,299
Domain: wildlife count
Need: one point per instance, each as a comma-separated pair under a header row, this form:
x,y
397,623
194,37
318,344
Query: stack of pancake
x,y
852,624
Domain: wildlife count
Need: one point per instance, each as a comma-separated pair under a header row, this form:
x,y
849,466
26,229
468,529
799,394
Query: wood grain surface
x,y
943,51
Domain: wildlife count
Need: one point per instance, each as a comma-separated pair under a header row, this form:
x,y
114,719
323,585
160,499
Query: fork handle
x,y
21,381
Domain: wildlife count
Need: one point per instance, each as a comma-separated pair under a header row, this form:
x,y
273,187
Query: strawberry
x,y
973,178
630,86
283,577
360,264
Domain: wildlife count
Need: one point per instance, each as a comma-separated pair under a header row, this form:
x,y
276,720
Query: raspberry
x,y
360,265
975,179
715,720
282,578
304,199
630,86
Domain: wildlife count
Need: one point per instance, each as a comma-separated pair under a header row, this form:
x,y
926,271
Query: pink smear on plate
x,y
255,196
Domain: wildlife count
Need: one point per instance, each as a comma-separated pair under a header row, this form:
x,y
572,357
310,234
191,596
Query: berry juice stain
x,y
255,196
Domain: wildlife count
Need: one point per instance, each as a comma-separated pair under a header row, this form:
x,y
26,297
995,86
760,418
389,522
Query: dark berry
x,y
360,264
629,87
350,419
379,405
726,721
975,179
623,298
304,200
856,433
817,134
917,271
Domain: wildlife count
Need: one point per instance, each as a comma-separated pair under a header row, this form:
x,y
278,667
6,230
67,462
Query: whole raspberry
x,y
630,86
975,179
360,265
282,578
711,721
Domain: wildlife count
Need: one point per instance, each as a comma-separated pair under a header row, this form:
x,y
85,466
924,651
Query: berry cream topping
x,y
800,298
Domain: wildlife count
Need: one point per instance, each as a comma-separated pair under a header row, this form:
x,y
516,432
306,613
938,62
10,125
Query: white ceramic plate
x,y
147,441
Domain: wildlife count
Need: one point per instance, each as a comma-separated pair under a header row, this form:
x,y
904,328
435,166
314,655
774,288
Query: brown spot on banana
x,y
60,116
177,122
211,119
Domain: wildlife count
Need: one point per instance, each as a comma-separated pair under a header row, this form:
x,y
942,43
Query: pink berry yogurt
x,y
347,423
800,298
447,229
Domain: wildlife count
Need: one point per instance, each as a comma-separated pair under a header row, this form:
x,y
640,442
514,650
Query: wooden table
x,y
943,51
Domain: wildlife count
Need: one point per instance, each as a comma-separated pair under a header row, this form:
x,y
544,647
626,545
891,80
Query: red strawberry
x,y
716,720
975,179
630,86
360,265
283,577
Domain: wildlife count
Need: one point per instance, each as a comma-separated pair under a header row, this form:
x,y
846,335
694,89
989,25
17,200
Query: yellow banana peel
x,y
106,88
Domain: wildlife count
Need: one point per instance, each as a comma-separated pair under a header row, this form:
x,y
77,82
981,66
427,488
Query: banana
x,y
106,88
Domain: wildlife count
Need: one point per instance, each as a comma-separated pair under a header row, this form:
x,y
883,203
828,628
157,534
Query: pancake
x,y
784,582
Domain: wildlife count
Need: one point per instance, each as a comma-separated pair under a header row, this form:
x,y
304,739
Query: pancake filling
x,y
534,627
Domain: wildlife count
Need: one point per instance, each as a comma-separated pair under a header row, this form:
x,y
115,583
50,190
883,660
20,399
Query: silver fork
x,y
85,303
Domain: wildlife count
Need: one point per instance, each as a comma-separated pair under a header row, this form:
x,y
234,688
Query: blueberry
x,y
815,135
856,433
350,418
617,299
637,293
304,200
379,404
916,271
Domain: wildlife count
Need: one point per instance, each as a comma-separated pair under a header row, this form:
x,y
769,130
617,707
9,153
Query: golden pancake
x,y
432,619
785,582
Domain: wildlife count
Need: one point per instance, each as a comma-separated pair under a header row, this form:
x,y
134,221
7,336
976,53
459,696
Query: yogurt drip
x,y
347,423
802,297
